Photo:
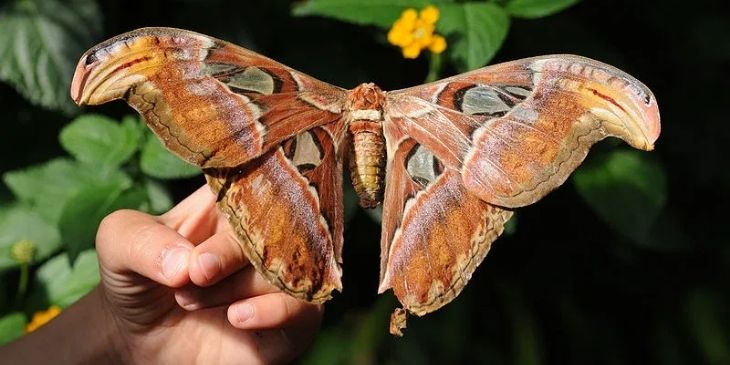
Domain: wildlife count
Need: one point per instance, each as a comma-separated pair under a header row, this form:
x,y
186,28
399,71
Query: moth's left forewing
x,y
516,130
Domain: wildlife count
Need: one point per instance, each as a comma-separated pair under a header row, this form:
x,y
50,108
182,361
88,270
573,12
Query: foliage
x,y
58,282
157,162
475,28
20,223
41,42
60,203
480,29
627,189
11,327
627,264
532,9
381,13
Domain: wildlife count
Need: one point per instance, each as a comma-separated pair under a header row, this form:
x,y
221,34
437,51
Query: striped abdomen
x,y
367,161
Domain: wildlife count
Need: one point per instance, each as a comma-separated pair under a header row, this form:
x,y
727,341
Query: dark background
x,y
564,288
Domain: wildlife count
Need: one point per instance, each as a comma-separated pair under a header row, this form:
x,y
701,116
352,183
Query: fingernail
x,y
174,260
188,299
210,264
244,312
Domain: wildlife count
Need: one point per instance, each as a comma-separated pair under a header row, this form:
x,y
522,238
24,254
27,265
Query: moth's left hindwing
x,y
286,209
268,138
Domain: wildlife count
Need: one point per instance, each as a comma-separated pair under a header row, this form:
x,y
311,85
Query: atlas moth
x,y
448,160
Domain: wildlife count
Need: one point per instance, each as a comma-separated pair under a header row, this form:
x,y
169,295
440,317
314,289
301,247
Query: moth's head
x,y
365,97
623,104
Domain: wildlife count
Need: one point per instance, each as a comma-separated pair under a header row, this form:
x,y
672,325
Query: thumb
x,y
129,241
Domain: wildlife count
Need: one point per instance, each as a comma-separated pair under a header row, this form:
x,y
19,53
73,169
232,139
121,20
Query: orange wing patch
x,y
212,103
276,217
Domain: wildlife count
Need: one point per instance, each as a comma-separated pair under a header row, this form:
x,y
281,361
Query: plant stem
x,y
434,67
22,282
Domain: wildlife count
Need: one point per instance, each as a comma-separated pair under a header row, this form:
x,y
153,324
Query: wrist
x,y
88,331
82,334
112,343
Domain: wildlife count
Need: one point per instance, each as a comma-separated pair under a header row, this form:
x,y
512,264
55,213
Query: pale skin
x,y
175,289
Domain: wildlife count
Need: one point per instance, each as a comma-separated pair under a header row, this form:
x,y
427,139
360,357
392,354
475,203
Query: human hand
x,y
175,289
179,289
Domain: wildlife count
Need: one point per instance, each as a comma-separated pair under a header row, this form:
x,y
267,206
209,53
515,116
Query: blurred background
x,y
627,263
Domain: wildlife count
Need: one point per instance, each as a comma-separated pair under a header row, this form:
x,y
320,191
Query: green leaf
x,y
706,312
537,8
157,161
20,223
510,227
627,189
82,214
526,334
381,13
479,30
48,186
158,197
368,334
135,122
58,283
41,42
12,326
4,288
84,211
331,347
101,140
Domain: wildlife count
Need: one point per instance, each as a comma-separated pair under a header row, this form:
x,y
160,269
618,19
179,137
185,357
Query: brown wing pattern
x,y
517,130
435,232
461,151
286,210
267,136
211,102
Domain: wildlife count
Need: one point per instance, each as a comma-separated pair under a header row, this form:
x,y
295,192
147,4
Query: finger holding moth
x,y
243,284
271,311
216,258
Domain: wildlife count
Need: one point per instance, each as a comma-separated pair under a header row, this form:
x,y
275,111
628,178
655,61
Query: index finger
x,y
196,217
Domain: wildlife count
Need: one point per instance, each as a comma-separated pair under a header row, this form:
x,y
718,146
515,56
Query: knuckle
x,y
288,307
238,249
111,226
113,220
139,240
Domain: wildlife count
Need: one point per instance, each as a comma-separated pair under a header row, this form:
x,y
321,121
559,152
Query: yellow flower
x,y
438,44
414,32
430,14
41,318
409,16
411,51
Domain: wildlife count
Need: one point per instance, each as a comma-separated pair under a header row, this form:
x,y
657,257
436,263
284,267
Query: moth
x,y
448,160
